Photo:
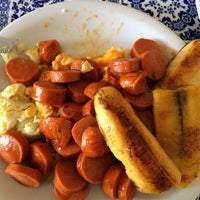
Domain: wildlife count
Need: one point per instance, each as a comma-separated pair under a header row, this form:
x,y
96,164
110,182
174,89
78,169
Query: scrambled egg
x,y
18,111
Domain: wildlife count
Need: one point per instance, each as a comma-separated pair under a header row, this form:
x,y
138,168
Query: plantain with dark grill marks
x,y
145,161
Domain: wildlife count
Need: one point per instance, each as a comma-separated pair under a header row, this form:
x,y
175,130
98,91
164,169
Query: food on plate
x,y
95,121
145,161
24,174
178,126
14,147
22,70
66,178
183,68
41,156
18,111
111,180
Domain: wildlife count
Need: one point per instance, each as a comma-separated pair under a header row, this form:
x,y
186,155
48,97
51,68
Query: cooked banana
x,y
184,69
145,161
176,115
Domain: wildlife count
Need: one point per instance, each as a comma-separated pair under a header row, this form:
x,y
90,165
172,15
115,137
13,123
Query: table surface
x,y
180,16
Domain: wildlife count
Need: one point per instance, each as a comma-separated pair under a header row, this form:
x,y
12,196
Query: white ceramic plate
x,y
198,7
87,28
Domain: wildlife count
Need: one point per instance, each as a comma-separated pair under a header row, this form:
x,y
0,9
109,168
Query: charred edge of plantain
x,y
139,148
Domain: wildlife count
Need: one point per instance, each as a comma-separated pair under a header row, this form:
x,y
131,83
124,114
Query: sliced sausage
x,y
134,83
24,174
142,101
125,189
77,195
56,128
89,69
71,111
80,126
125,65
48,50
65,76
88,108
111,180
14,146
22,70
41,157
76,91
153,63
66,177
142,45
92,88
71,150
93,144
93,169
49,93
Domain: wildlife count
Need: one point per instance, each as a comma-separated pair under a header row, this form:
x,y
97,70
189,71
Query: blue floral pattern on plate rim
x,y
179,16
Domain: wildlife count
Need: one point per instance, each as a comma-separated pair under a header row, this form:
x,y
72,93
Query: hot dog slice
x,y
80,126
77,195
25,175
91,88
66,178
125,65
111,180
93,169
49,93
142,101
65,76
88,108
89,69
134,83
71,111
142,45
153,64
41,156
76,91
14,146
125,189
56,128
48,50
22,70
93,144
71,150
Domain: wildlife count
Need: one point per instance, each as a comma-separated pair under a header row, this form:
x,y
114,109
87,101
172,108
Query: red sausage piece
x,y
134,83
25,175
49,93
56,128
22,70
48,50
65,76
71,150
80,126
153,63
93,169
125,189
76,91
71,111
14,146
41,157
93,144
66,178
125,65
142,45
111,180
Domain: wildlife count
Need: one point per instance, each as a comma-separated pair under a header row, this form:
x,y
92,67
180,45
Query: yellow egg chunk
x,y
18,111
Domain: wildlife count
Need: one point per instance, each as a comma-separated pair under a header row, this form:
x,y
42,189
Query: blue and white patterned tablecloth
x,y
179,15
